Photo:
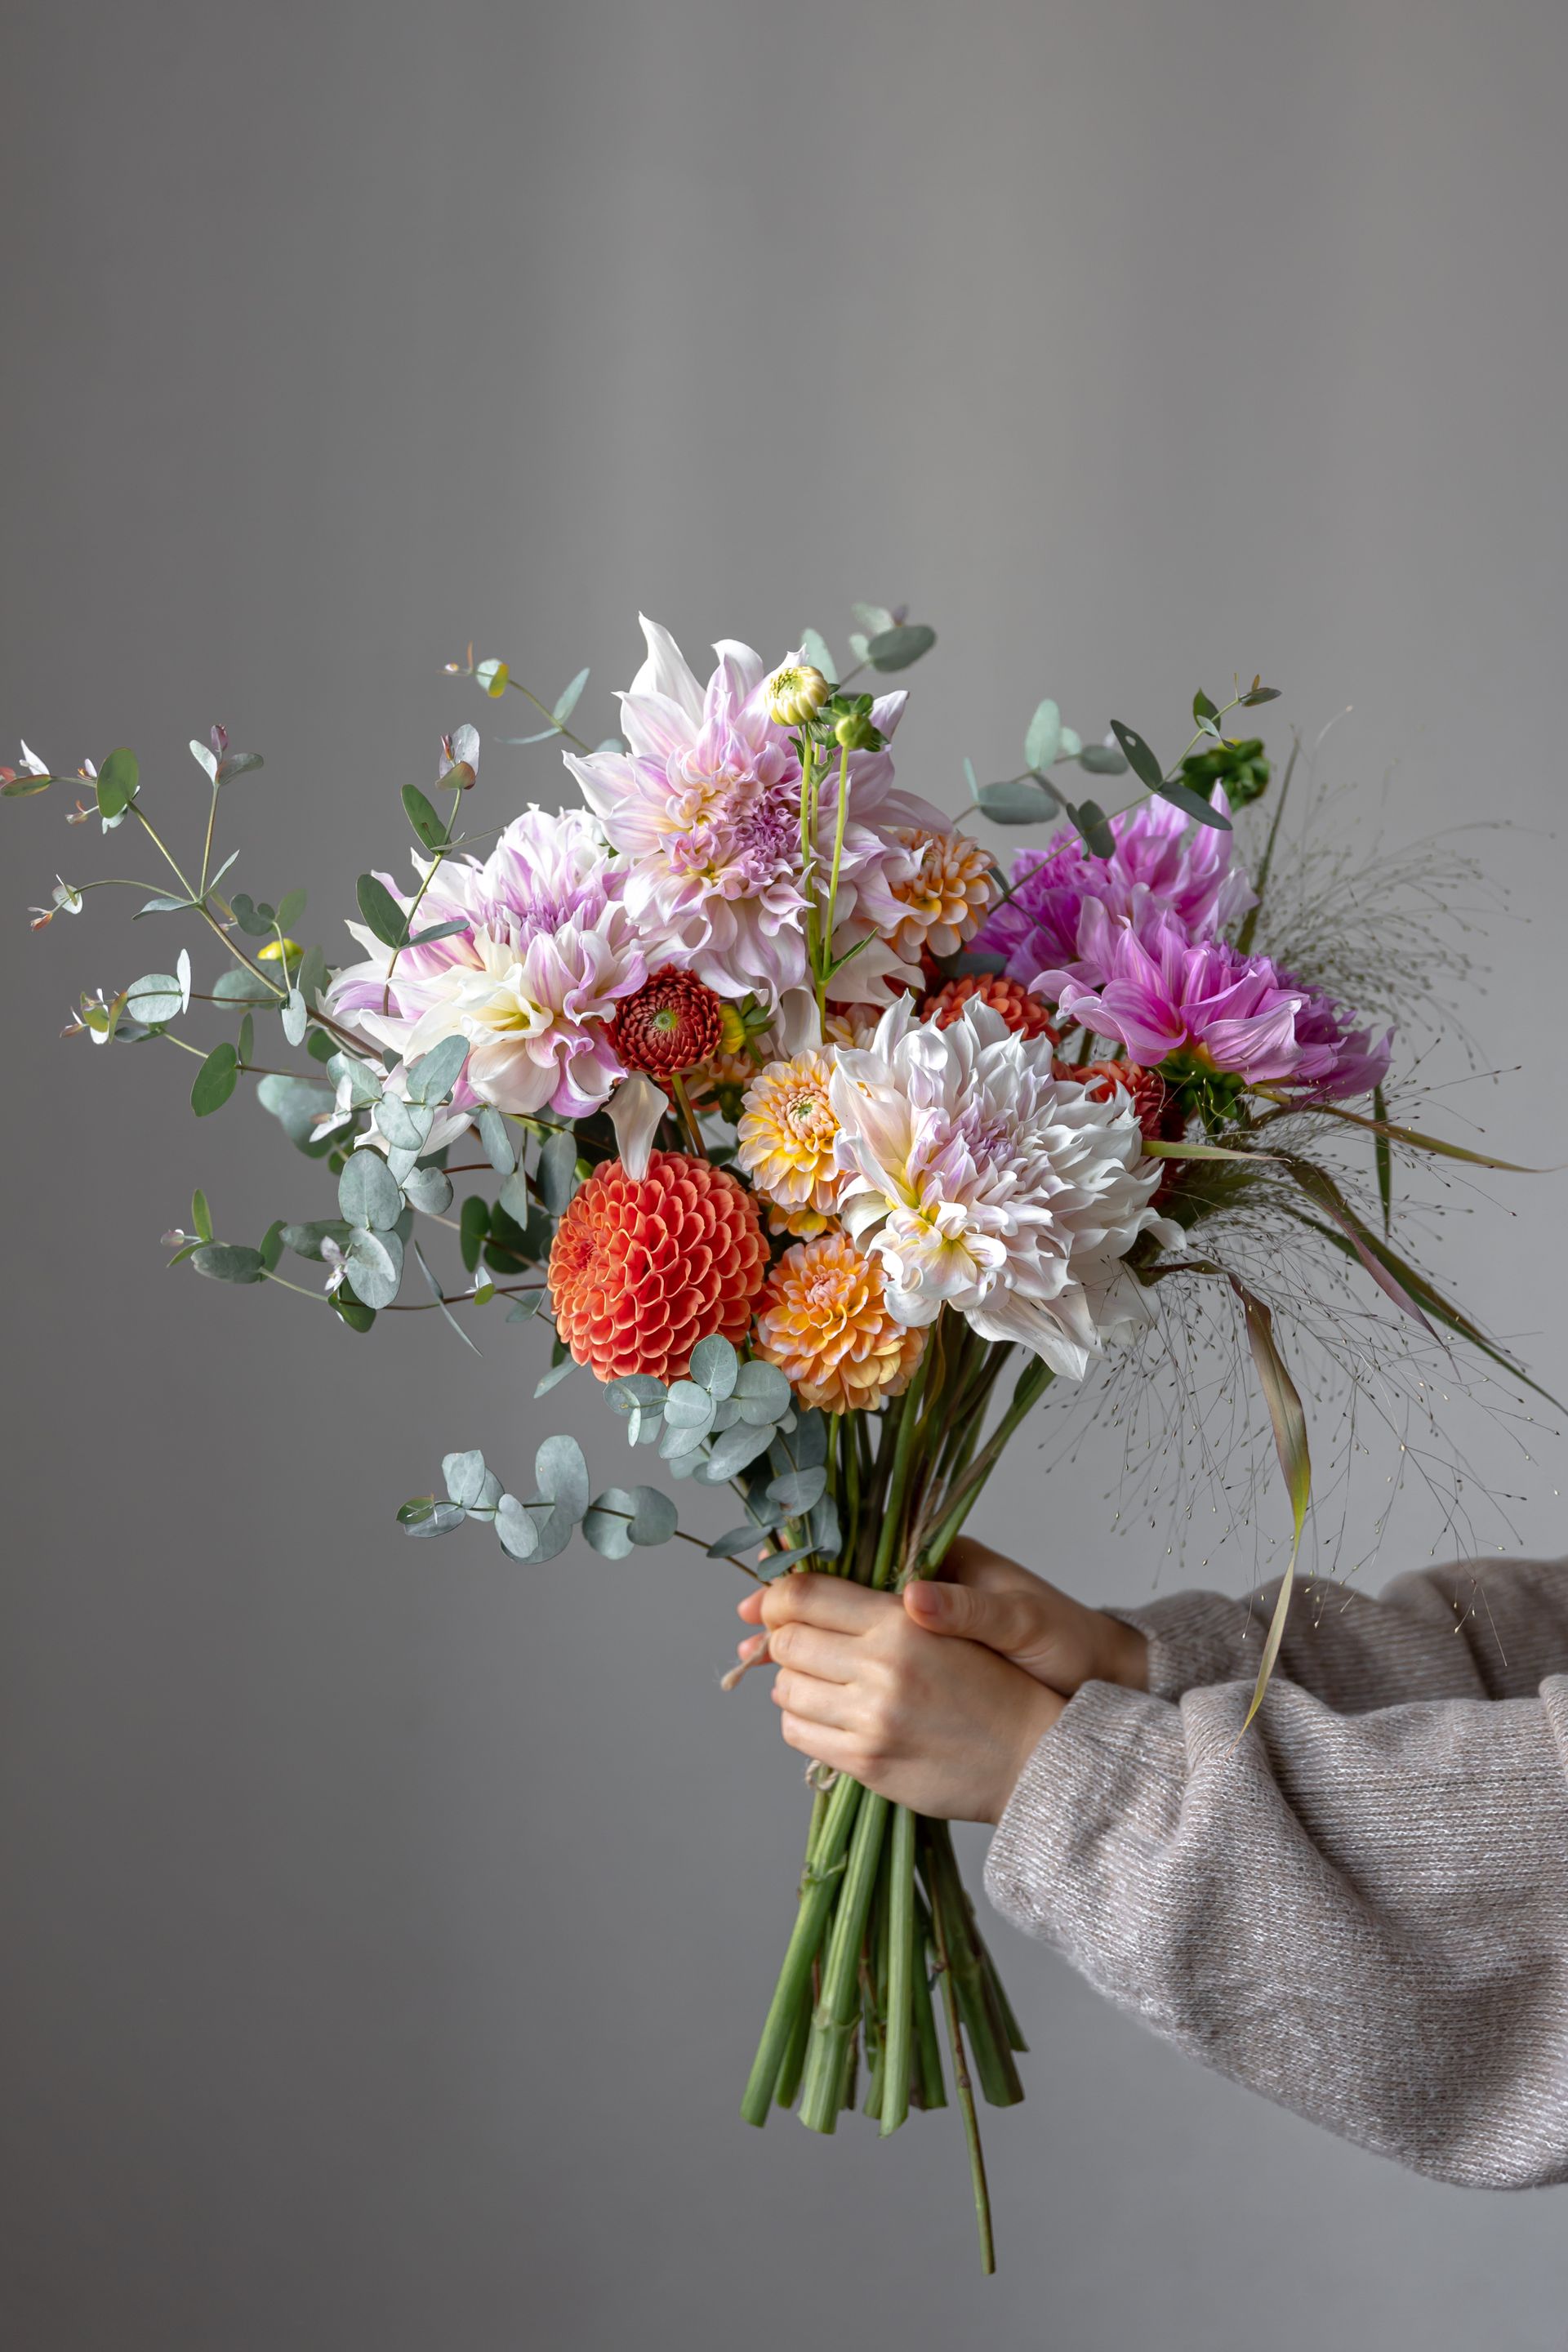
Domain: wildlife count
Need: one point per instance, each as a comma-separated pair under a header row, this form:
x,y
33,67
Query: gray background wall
x,y
385,1929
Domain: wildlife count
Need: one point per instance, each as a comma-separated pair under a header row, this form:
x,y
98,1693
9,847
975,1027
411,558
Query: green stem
x,y
965,2088
892,1504
1033,1382
983,2018
901,1959
1244,937
822,2091
818,1884
840,816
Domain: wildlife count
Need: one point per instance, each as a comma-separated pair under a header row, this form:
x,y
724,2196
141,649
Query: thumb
x,y
1005,1622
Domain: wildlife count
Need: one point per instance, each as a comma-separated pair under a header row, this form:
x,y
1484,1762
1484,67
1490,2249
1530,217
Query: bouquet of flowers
x,y
823,1145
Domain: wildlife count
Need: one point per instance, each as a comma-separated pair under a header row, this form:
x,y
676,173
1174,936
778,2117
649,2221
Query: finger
x,y
829,1747
1009,1622
834,1705
832,1657
751,1609
970,1562
830,1601
751,1647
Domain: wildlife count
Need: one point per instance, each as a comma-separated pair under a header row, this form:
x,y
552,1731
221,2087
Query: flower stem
x,y
824,1867
961,2075
901,1959
822,2091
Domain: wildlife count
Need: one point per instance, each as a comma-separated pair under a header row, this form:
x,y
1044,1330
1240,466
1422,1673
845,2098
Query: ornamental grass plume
x,y
786,1136
823,1317
642,1268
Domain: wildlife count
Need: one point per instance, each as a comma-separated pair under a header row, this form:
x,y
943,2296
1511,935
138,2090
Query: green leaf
x,y
21,787
306,1240
351,1310
296,1104
406,1126
1138,755
423,816
368,1195
1194,804
715,1367
815,647
381,910
440,932
1018,800
1384,1159
291,906
375,1260
896,648
1101,760
228,1262
552,1379
1095,826
311,979
245,1046
296,1017
428,1190
237,763
492,676
567,702
762,1393
465,1476
1289,1422
1250,700
432,1078
687,1406
254,922
319,1046
201,1215
154,999
474,1224
748,1538
239,985
216,1080
118,780
562,1474
558,1170
497,1140
797,1490
1043,739
1203,708
273,1244
515,1528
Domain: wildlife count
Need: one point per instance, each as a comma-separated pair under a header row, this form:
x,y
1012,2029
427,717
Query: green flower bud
x,y
796,693
855,732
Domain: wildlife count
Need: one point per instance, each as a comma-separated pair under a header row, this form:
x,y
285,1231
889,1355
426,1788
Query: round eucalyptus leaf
x,y
689,1407
715,1367
1018,800
368,1193
562,1474
514,1526
376,1265
156,997
635,1391
608,1529
432,1078
465,1476
429,1188
440,1520
734,1449
229,1262
762,1393
797,1490
406,1125
896,648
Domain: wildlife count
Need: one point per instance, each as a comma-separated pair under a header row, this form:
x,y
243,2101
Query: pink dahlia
x,y
1156,868
704,808
1160,993
533,980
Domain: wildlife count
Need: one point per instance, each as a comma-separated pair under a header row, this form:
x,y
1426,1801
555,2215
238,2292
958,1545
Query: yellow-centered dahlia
x,y
823,1320
786,1139
945,900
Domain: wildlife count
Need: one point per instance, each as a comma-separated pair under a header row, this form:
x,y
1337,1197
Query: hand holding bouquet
x,y
826,1149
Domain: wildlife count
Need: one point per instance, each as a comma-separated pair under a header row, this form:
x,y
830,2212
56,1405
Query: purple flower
x,y
1161,993
1154,869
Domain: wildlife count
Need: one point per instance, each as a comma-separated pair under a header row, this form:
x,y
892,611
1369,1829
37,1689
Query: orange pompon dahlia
x,y
671,1023
945,898
1157,1114
786,1139
1024,1014
824,1320
642,1268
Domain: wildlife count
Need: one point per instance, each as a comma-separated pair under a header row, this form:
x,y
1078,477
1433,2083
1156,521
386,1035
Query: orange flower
x,y
946,897
643,1268
1024,1013
1160,1119
824,1320
786,1134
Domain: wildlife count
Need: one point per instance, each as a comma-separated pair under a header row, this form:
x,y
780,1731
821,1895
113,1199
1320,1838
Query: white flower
x,y
985,1183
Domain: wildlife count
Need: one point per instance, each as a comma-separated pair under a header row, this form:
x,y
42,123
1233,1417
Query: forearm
x,y
1474,1628
1365,1917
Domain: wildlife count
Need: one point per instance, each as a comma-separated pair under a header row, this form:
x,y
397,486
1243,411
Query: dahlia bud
x,y
796,693
732,1030
855,732
289,955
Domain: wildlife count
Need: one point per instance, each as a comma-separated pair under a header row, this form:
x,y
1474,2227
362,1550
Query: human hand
x,y
942,1726
984,1597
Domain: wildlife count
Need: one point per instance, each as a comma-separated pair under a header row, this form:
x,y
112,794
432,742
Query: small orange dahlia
x,y
824,1320
1024,1014
945,898
642,1268
671,1023
786,1139
1157,1115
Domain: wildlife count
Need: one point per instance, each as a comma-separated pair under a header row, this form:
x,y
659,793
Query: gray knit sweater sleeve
x,y
1361,1911
1476,1629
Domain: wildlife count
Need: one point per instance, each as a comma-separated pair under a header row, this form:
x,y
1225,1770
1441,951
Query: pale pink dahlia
x,y
704,808
533,980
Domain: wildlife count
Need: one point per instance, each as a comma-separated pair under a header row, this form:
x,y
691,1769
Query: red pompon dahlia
x,y
671,1023
1158,1115
644,1267
1024,1013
